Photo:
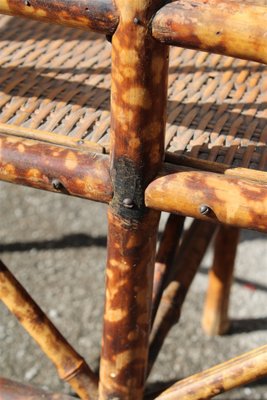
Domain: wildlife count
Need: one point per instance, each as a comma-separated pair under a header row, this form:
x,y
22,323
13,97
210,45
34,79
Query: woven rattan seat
x,y
57,79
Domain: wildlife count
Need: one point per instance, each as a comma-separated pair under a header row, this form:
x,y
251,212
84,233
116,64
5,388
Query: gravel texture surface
x,y
55,246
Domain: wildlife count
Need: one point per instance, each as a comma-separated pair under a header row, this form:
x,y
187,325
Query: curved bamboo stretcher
x,y
184,133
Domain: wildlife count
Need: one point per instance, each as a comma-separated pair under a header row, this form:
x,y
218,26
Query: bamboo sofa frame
x,y
138,180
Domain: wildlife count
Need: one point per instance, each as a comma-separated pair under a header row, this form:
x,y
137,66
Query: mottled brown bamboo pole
x,y
217,197
55,168
169,242
138,104
233,28
186,263
96,15
70,365
226,376
215,319
10,390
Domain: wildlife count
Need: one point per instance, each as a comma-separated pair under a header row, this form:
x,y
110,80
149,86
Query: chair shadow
x,y
251,285
247,235
77,240
154,389
247,325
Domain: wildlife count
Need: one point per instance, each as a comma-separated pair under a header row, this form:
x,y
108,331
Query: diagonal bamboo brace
x,y
10,390
70,365
226,376
184,269
164,258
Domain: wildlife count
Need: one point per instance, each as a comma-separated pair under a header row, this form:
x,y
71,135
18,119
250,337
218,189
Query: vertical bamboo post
x,y
215,319
138,107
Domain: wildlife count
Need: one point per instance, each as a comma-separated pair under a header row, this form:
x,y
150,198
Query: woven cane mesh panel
x,y
58,80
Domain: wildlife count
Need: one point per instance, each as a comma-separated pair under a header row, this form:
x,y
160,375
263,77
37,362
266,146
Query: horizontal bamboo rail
x,y
70,365
96,15
10,390
235,196
226,376
213,197
232,28
55,168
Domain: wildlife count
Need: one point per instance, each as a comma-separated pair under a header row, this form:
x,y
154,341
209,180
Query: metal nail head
x,y
128,203
204,209
57,184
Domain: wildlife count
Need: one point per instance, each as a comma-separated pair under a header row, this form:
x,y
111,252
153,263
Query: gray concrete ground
x,y
55,246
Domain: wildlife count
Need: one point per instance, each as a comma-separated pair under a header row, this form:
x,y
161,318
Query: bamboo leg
x,y
226,376
215,319
186,263
138,104
169,242
70,365
127,314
